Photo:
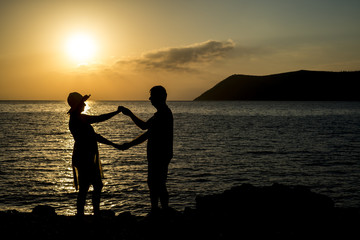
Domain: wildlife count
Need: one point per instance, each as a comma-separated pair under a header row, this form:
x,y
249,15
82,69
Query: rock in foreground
x,y
244,212
276,211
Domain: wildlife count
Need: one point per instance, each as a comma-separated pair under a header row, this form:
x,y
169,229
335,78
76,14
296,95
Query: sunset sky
x,y
118,50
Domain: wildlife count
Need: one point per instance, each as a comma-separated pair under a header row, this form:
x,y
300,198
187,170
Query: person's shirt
x,y
85,153
83,133
160,135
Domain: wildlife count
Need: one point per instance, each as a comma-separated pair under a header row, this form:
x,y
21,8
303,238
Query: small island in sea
x,y
300,85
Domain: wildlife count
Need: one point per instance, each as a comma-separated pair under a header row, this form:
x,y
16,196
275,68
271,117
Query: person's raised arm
x,y
102,117
140,123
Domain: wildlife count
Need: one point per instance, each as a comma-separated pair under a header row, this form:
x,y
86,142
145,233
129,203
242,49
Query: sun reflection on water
x,y
87,107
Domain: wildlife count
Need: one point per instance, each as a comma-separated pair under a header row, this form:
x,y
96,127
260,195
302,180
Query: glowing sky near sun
x,y
81,48
117,50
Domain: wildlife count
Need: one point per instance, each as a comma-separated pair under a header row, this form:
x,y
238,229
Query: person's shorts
x,y
90,176
157,173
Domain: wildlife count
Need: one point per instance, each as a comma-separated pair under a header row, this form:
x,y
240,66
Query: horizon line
x,y
94,100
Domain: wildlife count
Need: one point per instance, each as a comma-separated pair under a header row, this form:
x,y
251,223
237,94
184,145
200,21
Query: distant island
x,y
300,85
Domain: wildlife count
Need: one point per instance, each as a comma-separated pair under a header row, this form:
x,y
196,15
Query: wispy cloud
x,y
181,58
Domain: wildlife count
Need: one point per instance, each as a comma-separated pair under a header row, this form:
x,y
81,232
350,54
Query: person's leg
x,y
163,193
154,193
164,196
81,199
96,196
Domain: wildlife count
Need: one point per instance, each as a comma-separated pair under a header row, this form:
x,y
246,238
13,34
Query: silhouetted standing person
x,y
159,146
85,160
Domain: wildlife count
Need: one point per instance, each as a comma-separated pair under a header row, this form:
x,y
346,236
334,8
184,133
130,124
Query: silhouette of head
x,y
76,102
158,96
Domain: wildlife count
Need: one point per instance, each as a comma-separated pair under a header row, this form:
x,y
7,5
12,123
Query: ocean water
x,y
217,145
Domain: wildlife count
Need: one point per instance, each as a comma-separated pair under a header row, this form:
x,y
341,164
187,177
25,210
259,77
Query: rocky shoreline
x,y
243,212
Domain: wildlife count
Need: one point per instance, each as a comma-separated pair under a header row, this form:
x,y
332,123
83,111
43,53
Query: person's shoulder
x,y
84,117
166,111
74,116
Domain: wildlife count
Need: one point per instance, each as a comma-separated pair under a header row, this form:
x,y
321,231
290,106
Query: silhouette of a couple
x,y
85,160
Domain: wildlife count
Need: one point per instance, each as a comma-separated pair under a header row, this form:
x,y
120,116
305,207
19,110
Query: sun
x,y
81,48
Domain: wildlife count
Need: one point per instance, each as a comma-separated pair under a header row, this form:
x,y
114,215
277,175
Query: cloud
x,y
181,58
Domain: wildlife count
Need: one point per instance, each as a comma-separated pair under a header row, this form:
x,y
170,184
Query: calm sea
x,y
218,145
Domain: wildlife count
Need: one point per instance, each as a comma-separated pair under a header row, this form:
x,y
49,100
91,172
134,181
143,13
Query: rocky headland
x,y
290,86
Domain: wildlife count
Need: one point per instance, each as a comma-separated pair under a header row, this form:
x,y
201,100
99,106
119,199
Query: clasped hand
x,y
124,110
122,147
120,109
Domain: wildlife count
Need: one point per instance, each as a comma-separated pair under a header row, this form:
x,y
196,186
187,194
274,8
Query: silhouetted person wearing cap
x,y
159,146
85,160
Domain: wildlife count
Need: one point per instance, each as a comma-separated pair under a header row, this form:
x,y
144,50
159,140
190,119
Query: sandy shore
x,y
244,212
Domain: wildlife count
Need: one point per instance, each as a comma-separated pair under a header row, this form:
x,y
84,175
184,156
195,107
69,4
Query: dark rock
x,y
107,214
13,211
276,198
126,218
276,209
44,211
243,212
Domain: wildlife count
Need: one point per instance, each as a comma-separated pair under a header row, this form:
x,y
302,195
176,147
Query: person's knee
x,y
98,187
83,189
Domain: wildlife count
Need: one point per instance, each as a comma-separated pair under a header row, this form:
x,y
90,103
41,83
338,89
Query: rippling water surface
x,y
217,145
